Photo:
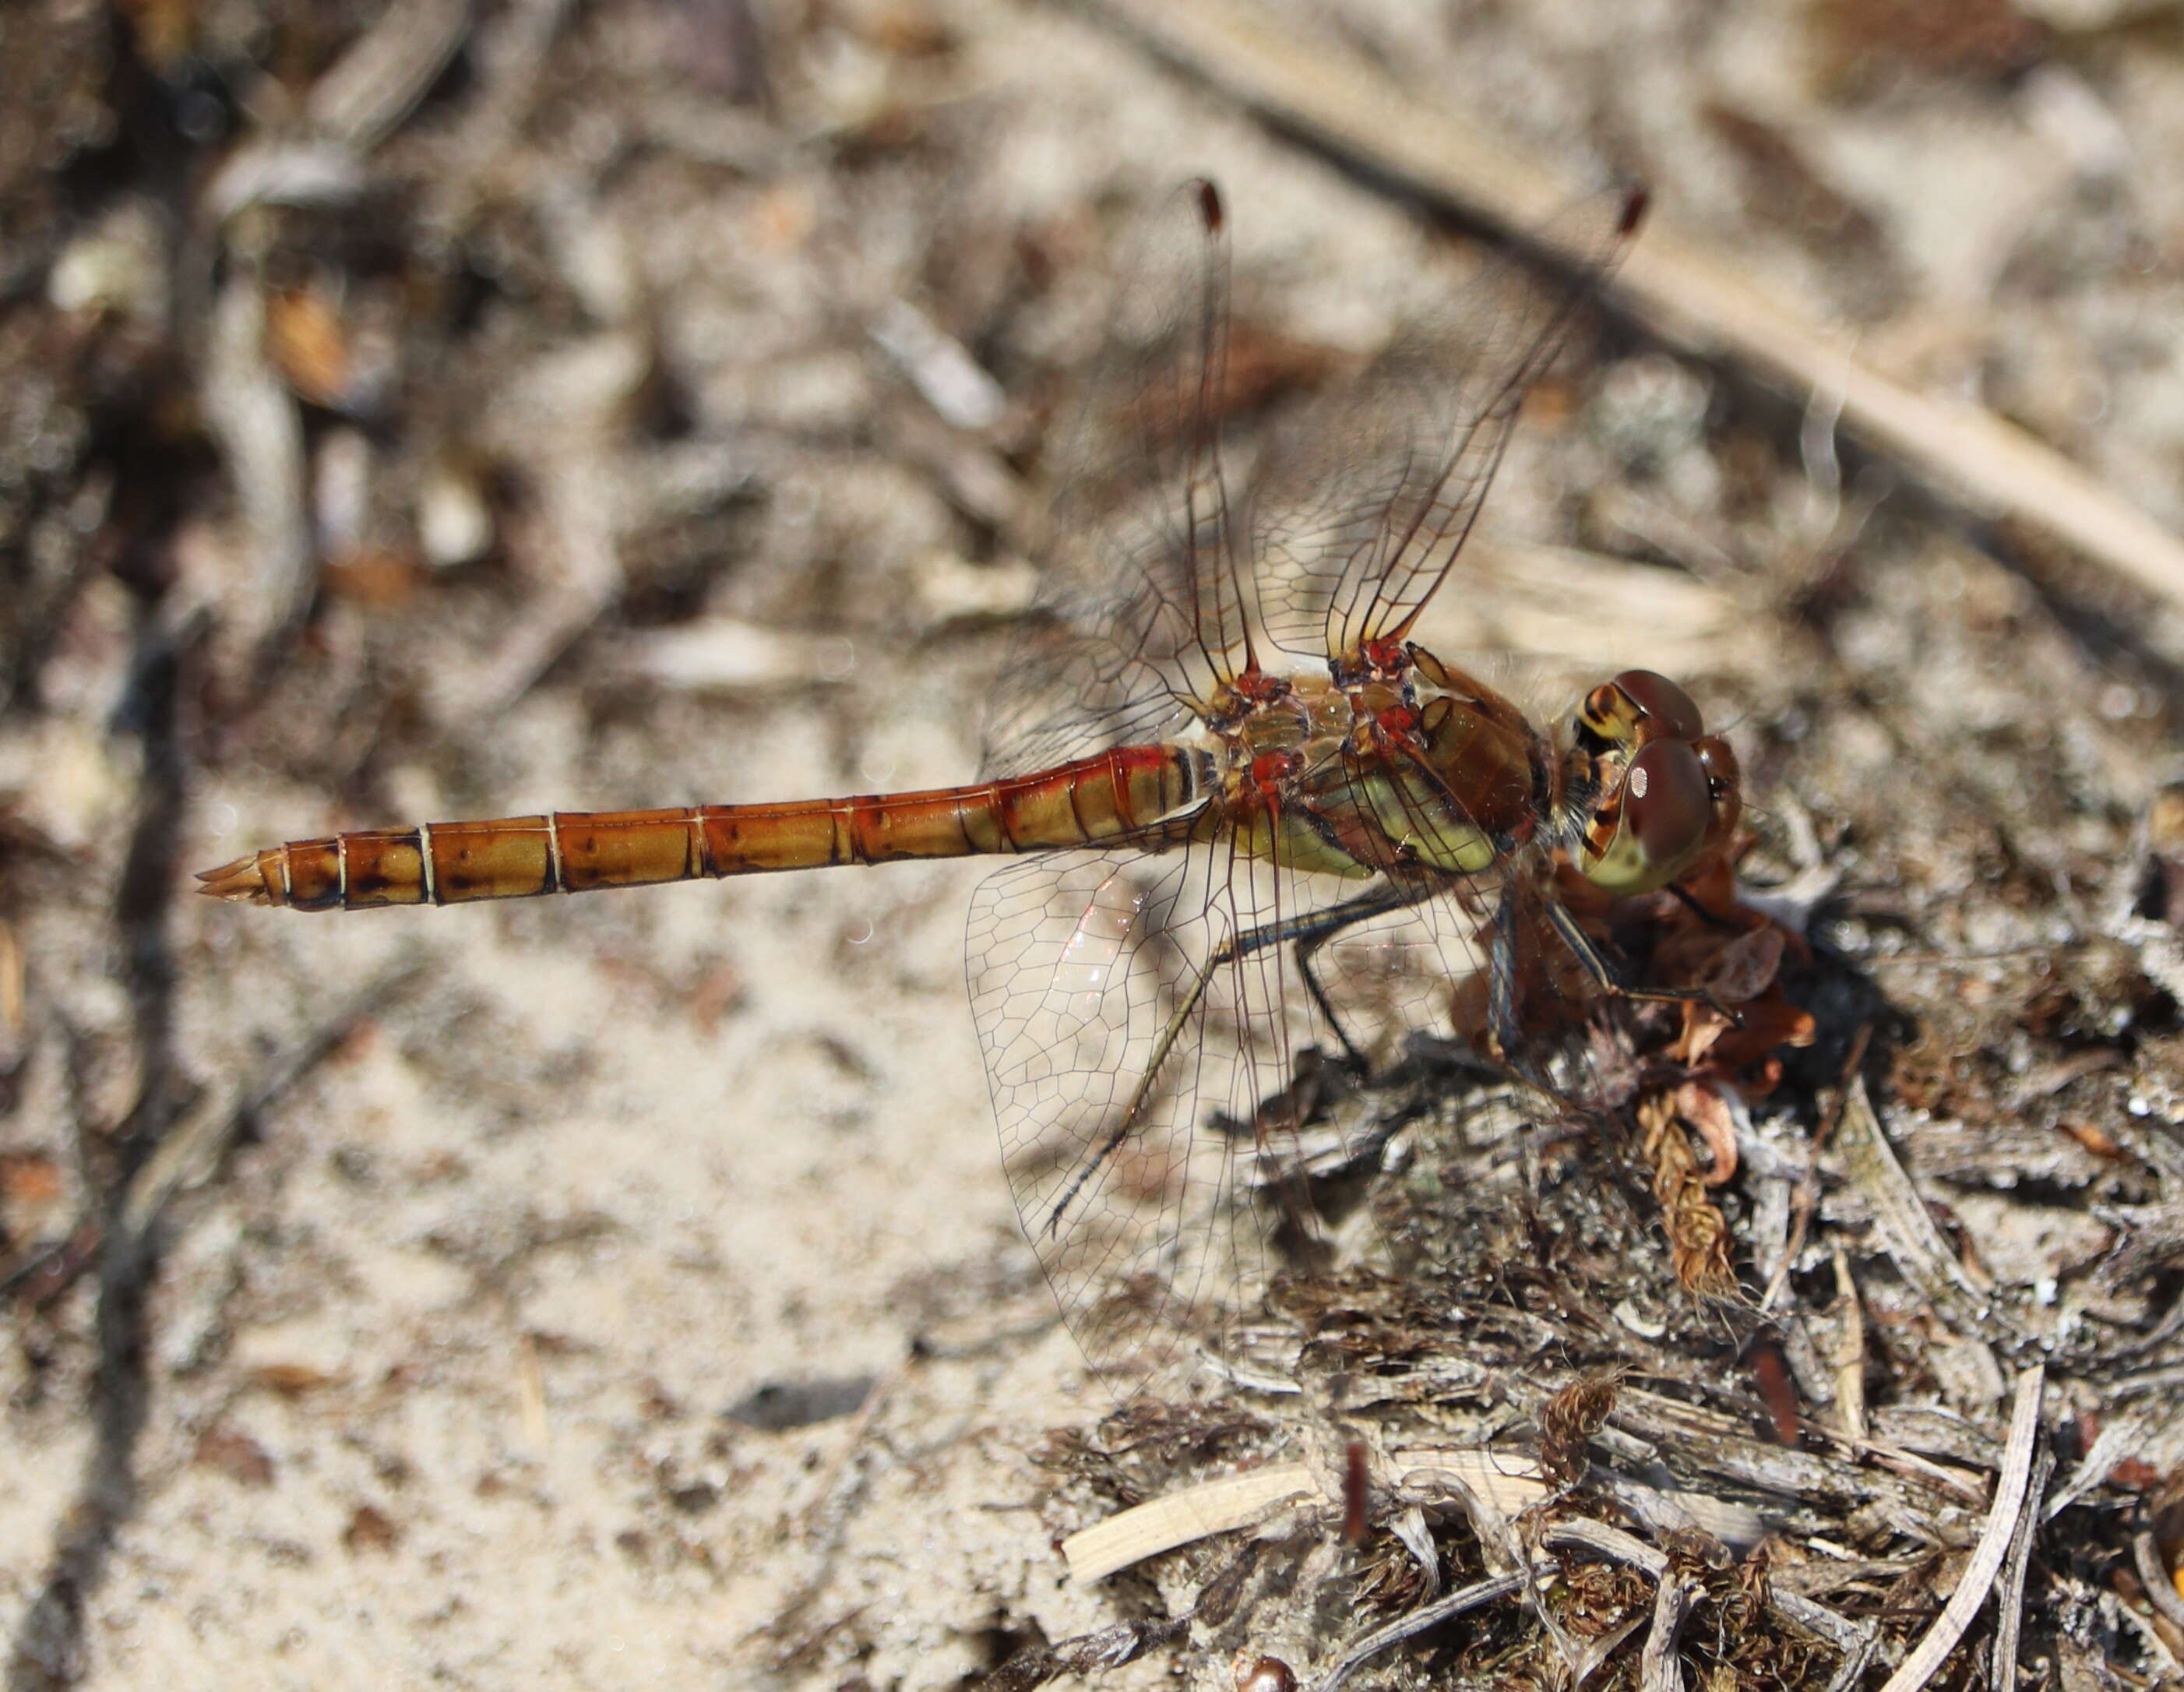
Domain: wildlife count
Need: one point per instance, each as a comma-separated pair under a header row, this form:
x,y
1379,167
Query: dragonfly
x,y
1245,815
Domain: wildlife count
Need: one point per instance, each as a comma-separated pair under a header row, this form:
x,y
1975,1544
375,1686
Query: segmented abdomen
x,y
1114,796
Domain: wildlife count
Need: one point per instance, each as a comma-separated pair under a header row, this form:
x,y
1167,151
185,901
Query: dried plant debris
x,y
1807,1472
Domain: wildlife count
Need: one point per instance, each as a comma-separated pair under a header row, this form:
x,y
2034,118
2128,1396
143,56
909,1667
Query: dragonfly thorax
x,y
1369,770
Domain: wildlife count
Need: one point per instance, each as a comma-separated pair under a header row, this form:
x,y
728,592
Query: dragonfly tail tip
x,y
243,882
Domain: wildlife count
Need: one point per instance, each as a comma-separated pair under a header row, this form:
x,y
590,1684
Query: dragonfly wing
x,y
1141,611
1132,1053
1358,514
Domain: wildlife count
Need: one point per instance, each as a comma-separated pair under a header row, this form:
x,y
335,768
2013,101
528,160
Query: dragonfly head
x,y
1665,792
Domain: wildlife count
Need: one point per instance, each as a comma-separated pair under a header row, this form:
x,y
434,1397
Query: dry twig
x,y
1906,1229
1221,1506
2009,1613
376,84
1807,1196
2011,1501
260,432
1362,1649
2160,1585
1658,1670
1850,1357
191,1154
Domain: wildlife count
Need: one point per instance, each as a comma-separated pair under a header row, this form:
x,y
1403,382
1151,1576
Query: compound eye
x,y
1724,785
1724,773
1667,815
1668,709
1668,802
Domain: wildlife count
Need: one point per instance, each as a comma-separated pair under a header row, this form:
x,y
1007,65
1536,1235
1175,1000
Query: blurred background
x,y
433,409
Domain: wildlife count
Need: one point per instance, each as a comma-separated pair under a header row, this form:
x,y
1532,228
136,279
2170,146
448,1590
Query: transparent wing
x,y
1140,1036
1359,512
1138,1006
1142,1026
1475,963
1141,607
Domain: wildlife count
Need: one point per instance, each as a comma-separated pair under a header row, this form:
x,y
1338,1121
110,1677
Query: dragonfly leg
x,y
1126,1123
1502,1020
1309,934
1352,1054
1502,1025
1684,898
1316,931
1586,953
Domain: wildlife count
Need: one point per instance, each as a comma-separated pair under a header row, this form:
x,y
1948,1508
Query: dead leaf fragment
x,y
305,340
235,1455
370,1530
290,1380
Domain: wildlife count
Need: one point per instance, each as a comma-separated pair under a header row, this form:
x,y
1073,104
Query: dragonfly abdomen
x,y
1115,796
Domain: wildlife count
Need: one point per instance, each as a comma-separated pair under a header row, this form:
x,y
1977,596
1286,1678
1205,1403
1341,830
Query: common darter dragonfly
x,y
1243,812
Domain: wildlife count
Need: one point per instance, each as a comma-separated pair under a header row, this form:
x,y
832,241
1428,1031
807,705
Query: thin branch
x,y
1906,1229
1659,1669
192,1155
2009,1613
1612,1543
1221,1506
1362,1649
2160,1585
1110,1647
1850,1357
1806,1198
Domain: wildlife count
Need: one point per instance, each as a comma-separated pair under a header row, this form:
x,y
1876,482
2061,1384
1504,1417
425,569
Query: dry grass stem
x,y
2011,1501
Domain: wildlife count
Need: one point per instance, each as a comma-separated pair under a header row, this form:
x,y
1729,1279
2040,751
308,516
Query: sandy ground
x,y
453,1367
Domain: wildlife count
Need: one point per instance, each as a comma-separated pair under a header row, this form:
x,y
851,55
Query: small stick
x,y
1613,1543
1370,1645
1906,1228
1658,1668
2009,1613
1220,1506
378,82
191,1154
1809,1187
1850,1360
1179,1518
2160,1585
2011,1501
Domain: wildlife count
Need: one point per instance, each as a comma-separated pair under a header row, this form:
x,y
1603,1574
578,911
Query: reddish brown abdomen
x,y
1114,796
